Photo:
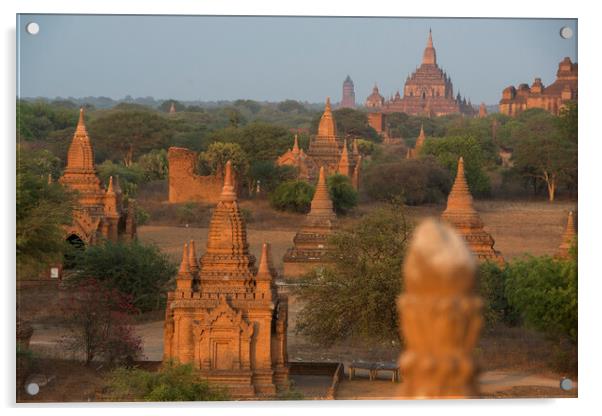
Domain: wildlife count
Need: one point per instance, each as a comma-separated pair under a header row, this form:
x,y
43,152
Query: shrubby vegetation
x,y
98,322
292,195
356,295
173,382
416,181
134,269
448,150
42,209
342,193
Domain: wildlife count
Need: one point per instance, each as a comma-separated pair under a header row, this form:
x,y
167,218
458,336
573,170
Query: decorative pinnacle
x,y
264,267
228,193
192,260
81,125
184,266
296,145
110,189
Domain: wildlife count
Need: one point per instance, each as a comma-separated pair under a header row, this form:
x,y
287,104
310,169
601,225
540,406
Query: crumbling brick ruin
x,y
184,184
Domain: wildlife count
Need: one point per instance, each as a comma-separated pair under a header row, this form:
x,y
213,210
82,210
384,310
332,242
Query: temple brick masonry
x,y
461,214
427,92
99,213
326,150
225,315
551,98
184,184
311,248
348,100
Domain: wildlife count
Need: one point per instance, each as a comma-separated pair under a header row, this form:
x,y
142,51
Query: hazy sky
x,y
275,58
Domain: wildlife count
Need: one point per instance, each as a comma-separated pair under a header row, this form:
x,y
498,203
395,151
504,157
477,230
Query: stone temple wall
x,y
184,184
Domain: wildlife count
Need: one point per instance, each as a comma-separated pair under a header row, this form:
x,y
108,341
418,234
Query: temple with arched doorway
x,y
100,212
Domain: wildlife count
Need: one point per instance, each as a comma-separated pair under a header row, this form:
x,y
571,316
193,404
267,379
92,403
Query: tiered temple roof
x,y
225,316
428,91
98,212
311,242
326,150
461,214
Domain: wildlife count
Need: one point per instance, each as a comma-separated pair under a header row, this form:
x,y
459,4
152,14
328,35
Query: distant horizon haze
x,y
225,58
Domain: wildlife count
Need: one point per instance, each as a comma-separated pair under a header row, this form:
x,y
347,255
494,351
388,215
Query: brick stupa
x,y
311,242
568,238
225,315
99,213
325,150
461,214
415,152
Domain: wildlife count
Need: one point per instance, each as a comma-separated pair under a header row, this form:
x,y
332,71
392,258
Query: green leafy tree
x,y
36,120
448,150
416,181
154,164
543,152
492,288
140,271
165,106
292,196
130,177
544,291
128,134
213,161
355,297
173,382
260,141
342,193
350,123
269,175
42,211
289,106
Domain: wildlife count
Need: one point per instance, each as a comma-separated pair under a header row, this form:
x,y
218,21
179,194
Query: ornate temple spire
x,y
227,259
110,189
228,193
263,271
80,156
321,204
110,201
344,167
296,145
421,139
430,56
327,127
460,198
184,277
568,237
193,262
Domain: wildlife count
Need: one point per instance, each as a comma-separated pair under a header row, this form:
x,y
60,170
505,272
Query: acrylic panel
x,y
285,208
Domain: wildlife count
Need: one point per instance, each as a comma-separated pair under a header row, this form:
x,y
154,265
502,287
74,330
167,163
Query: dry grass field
x,y
518,227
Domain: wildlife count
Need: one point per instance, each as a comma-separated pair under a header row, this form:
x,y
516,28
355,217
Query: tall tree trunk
x,y
551,183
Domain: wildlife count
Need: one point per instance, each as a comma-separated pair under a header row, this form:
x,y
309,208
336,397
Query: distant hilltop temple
x,y
427,92
551,98
325,150
100,213
348,100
